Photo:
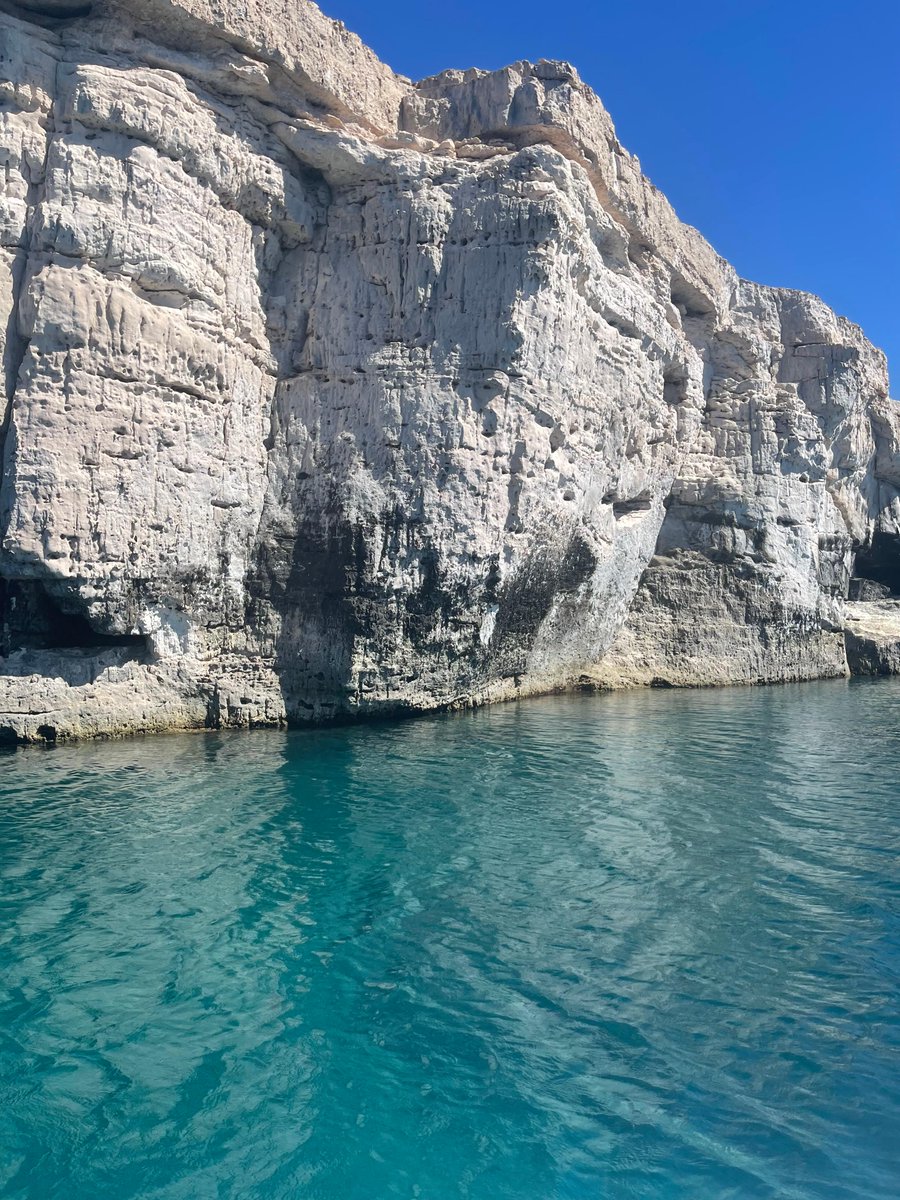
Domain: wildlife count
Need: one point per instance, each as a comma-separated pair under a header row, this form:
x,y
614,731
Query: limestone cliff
x,y
329,393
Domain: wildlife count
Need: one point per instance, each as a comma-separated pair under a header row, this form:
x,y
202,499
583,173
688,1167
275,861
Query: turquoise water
x,y
627,946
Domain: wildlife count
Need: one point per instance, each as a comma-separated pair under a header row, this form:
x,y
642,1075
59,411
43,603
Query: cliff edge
x,y
327,393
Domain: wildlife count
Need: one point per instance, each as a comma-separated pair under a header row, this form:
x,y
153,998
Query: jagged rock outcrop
x,y
329,393
873,637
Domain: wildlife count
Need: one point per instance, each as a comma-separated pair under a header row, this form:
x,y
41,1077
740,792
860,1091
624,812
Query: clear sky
x,y
771,125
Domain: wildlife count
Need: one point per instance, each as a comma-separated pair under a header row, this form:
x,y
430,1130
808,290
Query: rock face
x,y
327,393
873,637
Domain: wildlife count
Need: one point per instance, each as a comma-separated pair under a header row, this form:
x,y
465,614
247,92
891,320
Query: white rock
x,y
329,393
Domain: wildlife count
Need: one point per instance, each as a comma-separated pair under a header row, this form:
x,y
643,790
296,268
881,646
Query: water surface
x,y
639,945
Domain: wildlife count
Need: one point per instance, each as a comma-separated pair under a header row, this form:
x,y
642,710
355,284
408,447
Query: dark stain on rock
x,y
526,600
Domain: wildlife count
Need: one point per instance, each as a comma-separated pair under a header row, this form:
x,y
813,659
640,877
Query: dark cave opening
x,y
33,619
879,562
635,504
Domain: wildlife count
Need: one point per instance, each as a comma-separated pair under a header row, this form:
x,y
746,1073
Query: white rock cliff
x,y
327,393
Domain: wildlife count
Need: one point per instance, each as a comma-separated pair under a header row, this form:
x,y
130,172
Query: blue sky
x,y
771,125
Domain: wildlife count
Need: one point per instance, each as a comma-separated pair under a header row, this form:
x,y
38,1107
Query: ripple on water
x,y
626,946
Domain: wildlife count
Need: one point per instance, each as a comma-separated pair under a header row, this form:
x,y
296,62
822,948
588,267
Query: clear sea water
x,y
639,945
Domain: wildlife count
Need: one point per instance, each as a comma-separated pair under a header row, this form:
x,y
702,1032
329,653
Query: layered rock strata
x,y
873,637
327,393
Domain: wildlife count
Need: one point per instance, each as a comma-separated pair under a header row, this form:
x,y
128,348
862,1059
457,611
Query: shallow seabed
x,y
634,945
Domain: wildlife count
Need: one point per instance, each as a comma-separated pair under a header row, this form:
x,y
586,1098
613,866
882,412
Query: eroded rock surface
x,y
873,637
327,393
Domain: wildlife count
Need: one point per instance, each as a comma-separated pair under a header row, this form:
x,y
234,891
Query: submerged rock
x,y
327,393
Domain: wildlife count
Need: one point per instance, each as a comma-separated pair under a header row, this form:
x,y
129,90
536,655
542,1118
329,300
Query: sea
x,y
638,944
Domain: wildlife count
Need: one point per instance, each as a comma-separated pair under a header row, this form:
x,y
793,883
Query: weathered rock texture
x,y
873,637
327,393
